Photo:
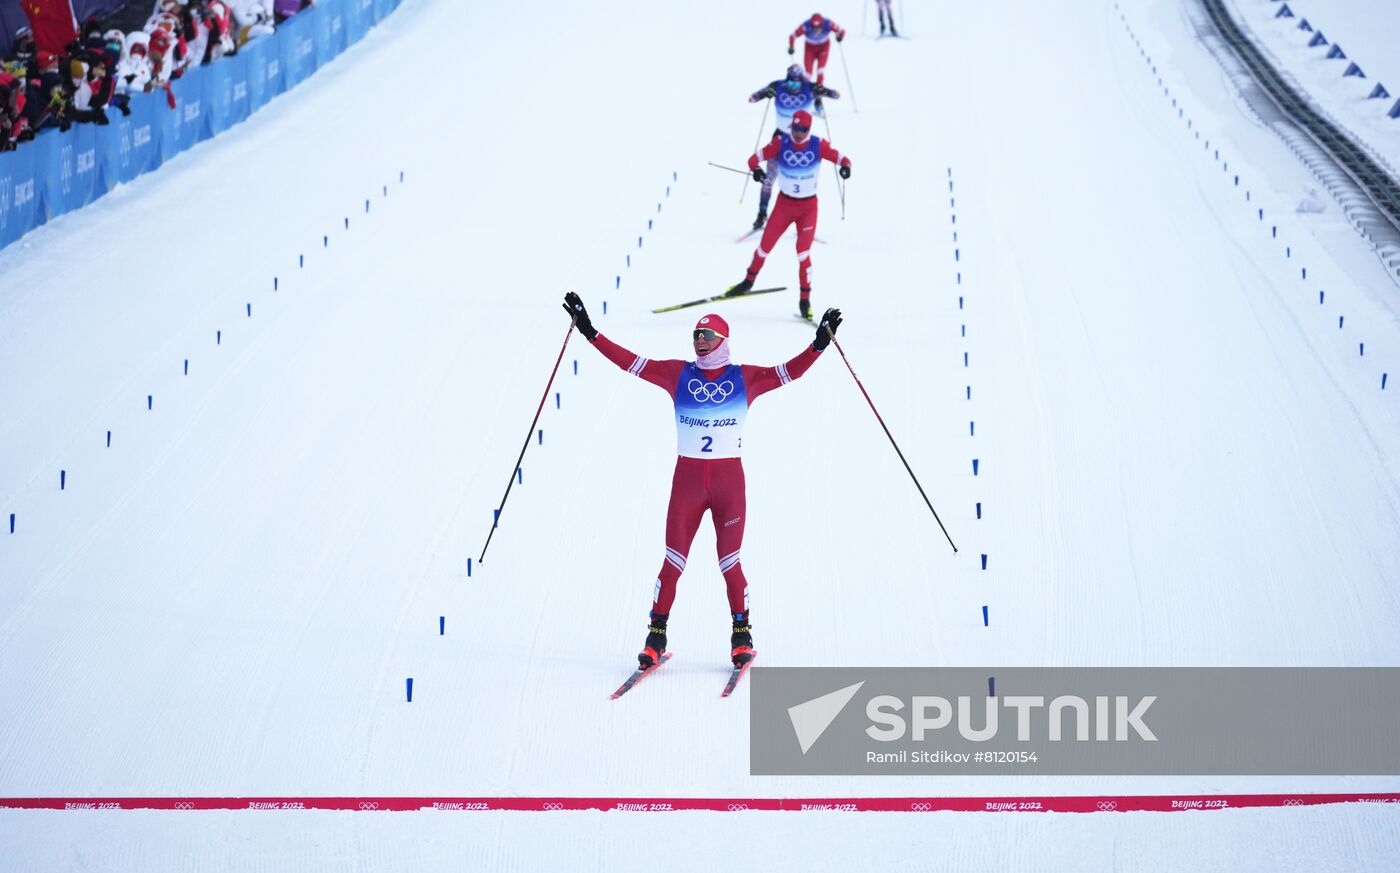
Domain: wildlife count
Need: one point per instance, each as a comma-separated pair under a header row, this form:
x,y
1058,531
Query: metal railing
x,y
1373,180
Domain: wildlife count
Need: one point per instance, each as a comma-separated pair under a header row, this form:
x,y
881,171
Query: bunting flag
x,y
52,23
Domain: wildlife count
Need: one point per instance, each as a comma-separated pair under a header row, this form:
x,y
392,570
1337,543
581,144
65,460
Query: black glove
x,y
792,50
769,92
758,174
831,320
845,171
573,304
840,36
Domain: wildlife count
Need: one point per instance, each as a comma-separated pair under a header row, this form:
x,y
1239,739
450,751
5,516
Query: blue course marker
x,y
218,337
469,568
149,400
409,689
991,686
1321,295
109,439
1384,376
519,476
556,400
969,392
541,436
274,283
62,479
979,510
972,428
12,515
301,261
985,622
187,366
250,310
442,625
974,472
984,562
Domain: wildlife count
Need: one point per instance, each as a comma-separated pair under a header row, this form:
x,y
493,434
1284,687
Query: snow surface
x,y
1368,32
1182,459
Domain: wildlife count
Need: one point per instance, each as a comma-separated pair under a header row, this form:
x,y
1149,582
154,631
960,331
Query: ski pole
x,y
730,169
528,434
840,184
892,442
761,124
847,70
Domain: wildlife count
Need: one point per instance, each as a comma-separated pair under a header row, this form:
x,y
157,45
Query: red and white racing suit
x,y
711,406
798,168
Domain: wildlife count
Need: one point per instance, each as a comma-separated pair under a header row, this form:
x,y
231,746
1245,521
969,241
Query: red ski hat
x,y
803,119
714,323
817,19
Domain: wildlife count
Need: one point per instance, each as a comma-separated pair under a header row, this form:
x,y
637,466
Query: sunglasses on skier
x,y
708,335
797,128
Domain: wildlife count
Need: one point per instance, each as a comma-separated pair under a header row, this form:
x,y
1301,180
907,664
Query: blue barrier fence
x,y
60,172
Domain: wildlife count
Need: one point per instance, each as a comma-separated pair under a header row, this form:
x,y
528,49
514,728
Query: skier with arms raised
x,y
712,397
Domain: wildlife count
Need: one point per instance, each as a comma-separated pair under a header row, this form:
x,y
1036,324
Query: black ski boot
x,y
656,642
743,287
741,640
804,304
762,217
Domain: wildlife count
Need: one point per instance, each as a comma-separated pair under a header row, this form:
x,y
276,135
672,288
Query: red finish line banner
x,y
1101,803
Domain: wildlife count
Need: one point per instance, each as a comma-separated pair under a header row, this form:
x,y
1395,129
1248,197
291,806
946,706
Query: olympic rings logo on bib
x,y
712,392
798,159
788,101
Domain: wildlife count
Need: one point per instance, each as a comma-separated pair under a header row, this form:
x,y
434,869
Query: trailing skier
x,y
817,31
789,94
798,158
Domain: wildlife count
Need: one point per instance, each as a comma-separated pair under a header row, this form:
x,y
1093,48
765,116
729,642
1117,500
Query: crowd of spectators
x,y
104,66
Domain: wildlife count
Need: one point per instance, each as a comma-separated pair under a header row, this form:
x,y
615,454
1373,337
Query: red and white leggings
x,y
698,485
801,211
814,59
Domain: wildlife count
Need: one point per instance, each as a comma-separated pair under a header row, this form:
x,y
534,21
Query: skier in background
x,y
799,158
817,32
789,95
712,397
883,7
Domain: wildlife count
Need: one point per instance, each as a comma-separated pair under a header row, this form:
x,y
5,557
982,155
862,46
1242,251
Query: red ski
x,y
639,675
736,674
